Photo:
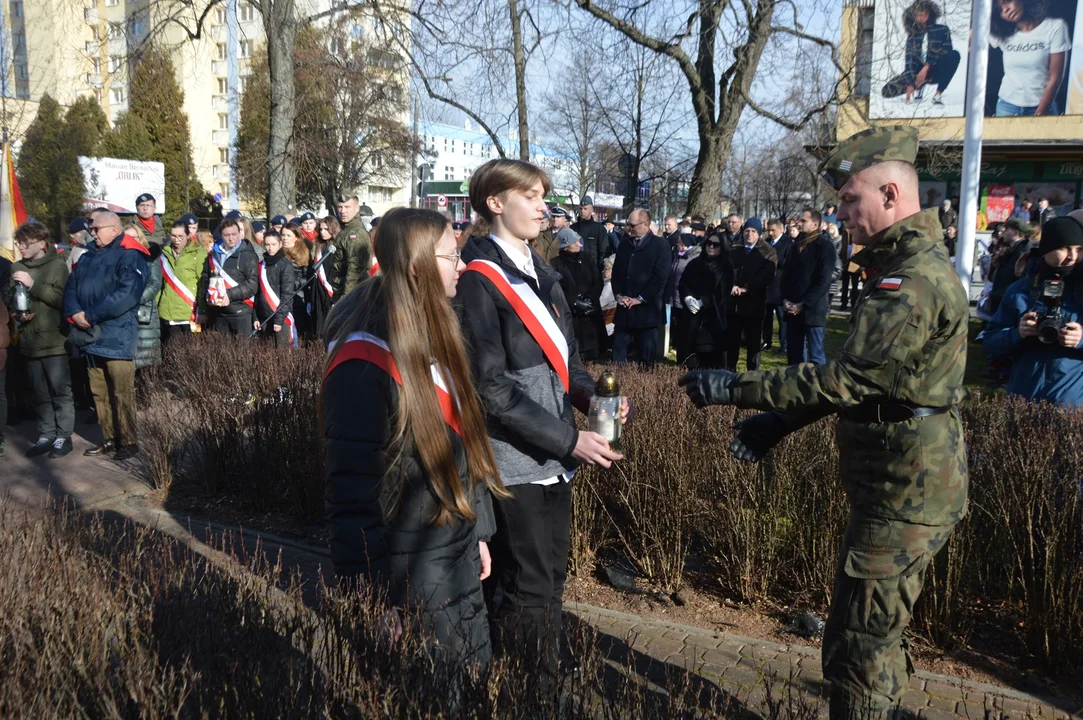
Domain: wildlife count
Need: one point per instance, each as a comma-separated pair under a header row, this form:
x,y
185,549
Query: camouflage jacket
x,y
907,344
354,256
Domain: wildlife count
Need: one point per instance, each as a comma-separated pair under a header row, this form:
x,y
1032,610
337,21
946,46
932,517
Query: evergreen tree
x,y
129,139
48,169
87,125
156,99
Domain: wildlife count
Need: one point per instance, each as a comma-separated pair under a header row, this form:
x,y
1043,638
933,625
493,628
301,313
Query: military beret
x,y
1019,224
460,225
233,215
374,222
188,219
306,216
278,220
78,225
145,197
258,227
587,200
868,148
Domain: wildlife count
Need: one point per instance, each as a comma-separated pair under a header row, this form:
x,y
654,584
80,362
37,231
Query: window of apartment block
x,y
21,72
139,27
220,16
223,86
115,64
242,81
20,42
214,171
221,51
223,155
117,95
16,8
224,189
98,95
863,52
244,48
112,3
445,144
115,31
449,172
223,121
95,65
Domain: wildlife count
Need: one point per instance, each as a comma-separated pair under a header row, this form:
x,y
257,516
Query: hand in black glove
x,y
709,387
756,435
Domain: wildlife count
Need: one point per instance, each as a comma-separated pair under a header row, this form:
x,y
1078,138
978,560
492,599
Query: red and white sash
x,y
272,299
322,276
371,349
532,311
177,286
229,282
374,266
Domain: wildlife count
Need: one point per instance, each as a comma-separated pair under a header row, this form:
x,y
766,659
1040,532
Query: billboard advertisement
x,y
919,59
1030,49
116,183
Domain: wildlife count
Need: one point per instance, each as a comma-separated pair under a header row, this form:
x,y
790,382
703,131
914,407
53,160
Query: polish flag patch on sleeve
x,y
891,283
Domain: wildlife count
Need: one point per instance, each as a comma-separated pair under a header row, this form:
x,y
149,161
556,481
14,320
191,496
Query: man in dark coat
x,y
639,280
805,287
754,271
595,237
783,246
230,308
101,301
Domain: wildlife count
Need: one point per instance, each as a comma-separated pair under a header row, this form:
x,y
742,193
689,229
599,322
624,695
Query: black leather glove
x,y
709,387
758,434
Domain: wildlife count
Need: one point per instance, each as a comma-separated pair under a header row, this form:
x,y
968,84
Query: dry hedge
x,y
242,418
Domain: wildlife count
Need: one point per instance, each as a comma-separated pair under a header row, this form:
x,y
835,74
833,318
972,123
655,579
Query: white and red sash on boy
x,y
272,299
371,349
533,313
322,276
229,282
177,286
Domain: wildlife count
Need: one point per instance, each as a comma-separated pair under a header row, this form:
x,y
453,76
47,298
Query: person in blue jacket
x,y
1046,362
101,301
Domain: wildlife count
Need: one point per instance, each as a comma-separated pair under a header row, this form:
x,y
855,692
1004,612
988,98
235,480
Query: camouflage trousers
x,y
880,575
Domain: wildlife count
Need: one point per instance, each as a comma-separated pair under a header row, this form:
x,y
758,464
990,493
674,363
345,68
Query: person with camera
x,y
581,282
1037,326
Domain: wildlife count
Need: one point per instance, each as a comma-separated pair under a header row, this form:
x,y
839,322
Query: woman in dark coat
x,y
148,347
581,281
409,468
276,285
299,254
708,281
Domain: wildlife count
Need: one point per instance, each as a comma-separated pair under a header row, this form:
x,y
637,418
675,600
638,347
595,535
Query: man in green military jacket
x,y
895,387
353,258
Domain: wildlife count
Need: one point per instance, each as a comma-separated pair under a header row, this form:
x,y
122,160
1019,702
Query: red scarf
x,y
148,224
310,236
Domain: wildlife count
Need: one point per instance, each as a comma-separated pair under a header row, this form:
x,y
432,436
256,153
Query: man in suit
x,y
782,244
754,272
639,281
805,288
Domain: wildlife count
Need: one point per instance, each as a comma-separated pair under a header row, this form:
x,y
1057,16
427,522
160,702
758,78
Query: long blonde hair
x,y
422,328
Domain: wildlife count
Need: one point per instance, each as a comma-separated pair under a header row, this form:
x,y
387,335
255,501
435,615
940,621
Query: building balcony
x,y
221,138
219,68
220,102
93,47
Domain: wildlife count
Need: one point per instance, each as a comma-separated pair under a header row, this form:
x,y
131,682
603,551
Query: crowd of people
x,y
455,367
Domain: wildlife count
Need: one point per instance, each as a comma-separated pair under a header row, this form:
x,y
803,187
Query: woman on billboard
x,y
1035,47
930,58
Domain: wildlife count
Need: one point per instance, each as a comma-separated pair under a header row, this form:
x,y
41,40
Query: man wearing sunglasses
x,y
101,302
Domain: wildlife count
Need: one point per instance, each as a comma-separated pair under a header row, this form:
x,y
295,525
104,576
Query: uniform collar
x,y
906,236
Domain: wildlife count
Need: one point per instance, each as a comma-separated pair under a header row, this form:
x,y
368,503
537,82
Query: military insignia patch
x,y
890,283
845,165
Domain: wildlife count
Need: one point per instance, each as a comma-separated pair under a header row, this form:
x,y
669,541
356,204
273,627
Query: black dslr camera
x,y
1052,320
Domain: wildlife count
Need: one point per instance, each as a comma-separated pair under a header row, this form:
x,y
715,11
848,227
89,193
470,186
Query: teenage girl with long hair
x,y
321,291
297,251
409,468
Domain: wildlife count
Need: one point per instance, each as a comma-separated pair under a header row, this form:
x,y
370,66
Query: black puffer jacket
x,y
423,567
710,281
148,346
582,285
281,280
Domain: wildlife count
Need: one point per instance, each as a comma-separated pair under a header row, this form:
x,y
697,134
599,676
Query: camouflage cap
x,y
1019,225
867,148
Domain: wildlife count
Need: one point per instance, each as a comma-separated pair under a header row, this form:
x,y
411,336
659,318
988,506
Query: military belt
x,y
889,412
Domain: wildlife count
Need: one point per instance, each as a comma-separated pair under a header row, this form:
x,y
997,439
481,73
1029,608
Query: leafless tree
x,y
718,45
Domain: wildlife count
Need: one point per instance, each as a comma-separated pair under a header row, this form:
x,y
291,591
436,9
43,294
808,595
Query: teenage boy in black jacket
x,y
529,377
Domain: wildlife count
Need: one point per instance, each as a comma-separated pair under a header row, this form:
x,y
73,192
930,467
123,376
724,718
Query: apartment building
x,y
73,48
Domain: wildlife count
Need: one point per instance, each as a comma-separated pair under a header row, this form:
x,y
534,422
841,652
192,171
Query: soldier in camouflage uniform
x,y
895,388
354,256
